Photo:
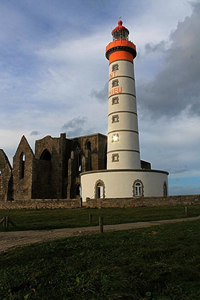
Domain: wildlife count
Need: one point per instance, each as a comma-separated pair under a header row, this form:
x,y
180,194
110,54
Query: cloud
x,y
75,127
175,88
155,47
101,95
172,145
34,133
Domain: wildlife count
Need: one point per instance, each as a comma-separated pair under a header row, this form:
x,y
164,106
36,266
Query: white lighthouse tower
x,y
126,175
123,143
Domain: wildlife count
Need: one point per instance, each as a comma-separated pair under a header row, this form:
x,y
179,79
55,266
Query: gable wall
x,y
22,187
5,177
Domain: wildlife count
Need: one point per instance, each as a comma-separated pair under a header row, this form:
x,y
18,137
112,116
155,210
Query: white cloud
x,y
172,145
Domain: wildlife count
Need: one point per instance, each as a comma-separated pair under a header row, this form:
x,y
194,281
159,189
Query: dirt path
x,y
15,239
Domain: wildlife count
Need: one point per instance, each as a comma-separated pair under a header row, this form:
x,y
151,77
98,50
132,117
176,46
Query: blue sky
x,y
53,76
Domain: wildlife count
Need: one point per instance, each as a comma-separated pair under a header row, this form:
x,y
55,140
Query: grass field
x,y
60,218
156,263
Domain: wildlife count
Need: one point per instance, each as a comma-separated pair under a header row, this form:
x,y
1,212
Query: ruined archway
x,y
46,155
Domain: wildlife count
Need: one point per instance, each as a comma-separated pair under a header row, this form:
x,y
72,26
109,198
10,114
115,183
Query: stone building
x,y
5,177
53,171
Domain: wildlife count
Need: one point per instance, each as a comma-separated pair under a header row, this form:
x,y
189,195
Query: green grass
x,y
61,218
160,262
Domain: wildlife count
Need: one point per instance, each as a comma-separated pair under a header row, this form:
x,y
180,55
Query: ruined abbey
x,y
53,171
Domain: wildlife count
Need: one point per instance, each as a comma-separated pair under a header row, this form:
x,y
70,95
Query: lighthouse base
x,y
123,183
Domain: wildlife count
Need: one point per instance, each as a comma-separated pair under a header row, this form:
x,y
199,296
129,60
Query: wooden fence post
x,y
101,224
186,210
5,222
90,219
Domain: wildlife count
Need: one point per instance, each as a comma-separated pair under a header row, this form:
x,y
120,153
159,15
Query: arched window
x,y
165,189
88,146
22,159
79,163
99,190
88,156
78,190
138,188
77,156
46,155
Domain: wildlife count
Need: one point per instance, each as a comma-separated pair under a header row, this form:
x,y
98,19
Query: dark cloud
x,y
34,133
155,48
100,95
75,127
176,87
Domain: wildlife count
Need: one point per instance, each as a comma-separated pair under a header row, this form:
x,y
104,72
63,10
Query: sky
x,y
54,75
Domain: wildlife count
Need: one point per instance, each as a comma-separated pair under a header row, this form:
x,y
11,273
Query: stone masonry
x,y
5,177
184,200
53,171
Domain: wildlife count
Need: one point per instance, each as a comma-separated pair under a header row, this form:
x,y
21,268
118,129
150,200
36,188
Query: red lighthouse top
x,y
120,48
120,32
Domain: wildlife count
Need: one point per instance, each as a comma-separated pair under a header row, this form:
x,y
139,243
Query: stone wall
x,y
40,204
97,151
22,171
50,168
144,201
87,153
101,203
5,177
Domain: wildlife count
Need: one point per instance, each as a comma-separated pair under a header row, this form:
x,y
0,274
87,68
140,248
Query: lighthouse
x,y
123,142
127,176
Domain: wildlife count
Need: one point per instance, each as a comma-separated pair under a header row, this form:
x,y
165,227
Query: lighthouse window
x,y
115,82
138,189
115,119
165,189
115,138
115,67
115,100
115,157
